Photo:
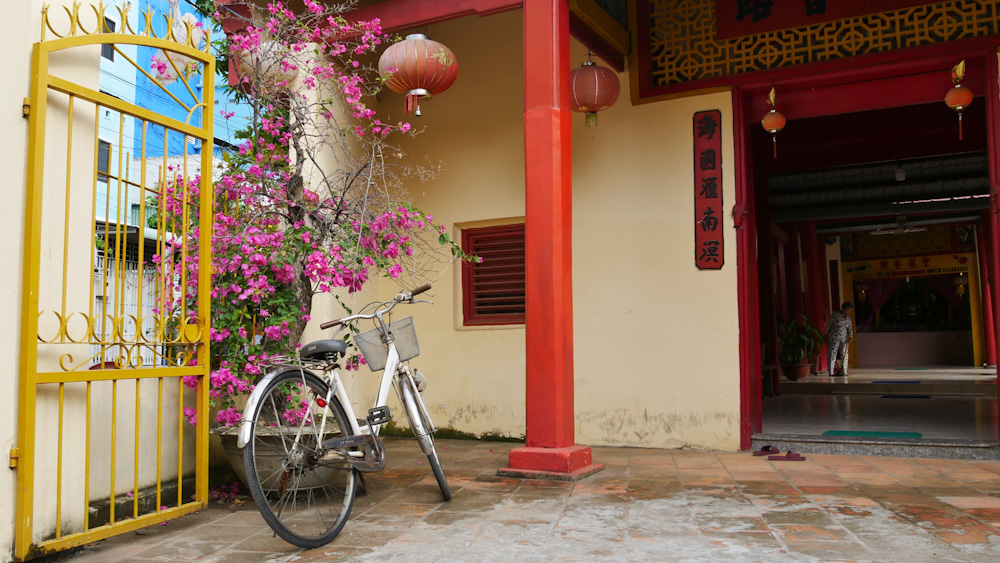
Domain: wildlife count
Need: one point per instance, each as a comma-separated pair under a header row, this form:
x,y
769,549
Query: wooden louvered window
x,y
493,290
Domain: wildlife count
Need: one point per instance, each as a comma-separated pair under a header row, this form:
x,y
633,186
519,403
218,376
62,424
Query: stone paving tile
x,y
990,516
831,550
648,505
183,550
732,524
265,541
971,501
757,475
810,532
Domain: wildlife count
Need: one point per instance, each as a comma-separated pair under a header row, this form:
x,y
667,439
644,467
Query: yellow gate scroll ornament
x,y
115,303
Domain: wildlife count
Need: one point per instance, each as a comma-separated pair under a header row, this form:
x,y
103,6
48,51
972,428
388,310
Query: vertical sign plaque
x,y
708,239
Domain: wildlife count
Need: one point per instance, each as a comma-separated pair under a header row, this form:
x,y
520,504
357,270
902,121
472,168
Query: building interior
x,y
886,209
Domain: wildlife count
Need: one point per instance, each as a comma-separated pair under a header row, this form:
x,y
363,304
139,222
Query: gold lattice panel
x,y
935,240
683,48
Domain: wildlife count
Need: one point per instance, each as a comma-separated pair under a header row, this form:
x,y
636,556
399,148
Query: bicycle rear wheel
x,y
420,423
304,496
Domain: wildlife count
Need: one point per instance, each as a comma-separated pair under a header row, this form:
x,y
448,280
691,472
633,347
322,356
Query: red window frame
x,y
493,292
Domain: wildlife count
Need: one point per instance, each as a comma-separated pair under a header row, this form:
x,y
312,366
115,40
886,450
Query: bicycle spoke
x,y
305,500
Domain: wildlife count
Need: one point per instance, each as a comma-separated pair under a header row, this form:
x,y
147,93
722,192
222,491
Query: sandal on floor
x,y
790,456
766,450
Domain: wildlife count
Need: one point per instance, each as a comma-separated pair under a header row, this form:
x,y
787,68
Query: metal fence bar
x,y
114,442
135,464
69,186
86,468
59,463
159,443
180,439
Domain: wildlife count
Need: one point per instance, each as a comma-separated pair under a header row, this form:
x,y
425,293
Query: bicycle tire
x,y
304,499
414,409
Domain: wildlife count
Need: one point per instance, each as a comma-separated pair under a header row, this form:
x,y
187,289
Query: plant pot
x,y
795,372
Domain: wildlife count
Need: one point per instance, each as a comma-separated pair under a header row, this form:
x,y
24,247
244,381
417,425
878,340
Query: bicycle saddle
x,y
321,349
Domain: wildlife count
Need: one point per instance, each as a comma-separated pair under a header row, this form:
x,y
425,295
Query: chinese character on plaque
x,y
708,232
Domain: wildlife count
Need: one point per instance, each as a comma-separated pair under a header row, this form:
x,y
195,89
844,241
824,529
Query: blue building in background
x,y
152,97
121,139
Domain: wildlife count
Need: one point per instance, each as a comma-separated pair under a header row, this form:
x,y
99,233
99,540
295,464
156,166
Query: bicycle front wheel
x,y
304,492
420,423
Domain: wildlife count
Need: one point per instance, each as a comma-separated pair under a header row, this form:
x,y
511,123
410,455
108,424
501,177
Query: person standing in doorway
x,y
839,333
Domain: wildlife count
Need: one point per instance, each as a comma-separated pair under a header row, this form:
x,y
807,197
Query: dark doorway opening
x,y
884,208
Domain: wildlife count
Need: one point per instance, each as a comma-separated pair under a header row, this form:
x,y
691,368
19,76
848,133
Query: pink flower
x,y
229,417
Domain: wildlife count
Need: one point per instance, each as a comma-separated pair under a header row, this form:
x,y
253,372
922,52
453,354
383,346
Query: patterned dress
x,y
839,331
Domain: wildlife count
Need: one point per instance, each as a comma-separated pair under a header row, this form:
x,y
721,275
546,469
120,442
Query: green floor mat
x,y
866,434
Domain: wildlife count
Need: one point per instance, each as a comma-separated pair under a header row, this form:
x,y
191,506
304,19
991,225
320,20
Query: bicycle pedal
x,y
378,415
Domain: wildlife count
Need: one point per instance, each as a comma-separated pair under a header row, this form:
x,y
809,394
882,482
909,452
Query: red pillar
x,y
550,450
993,135
986,277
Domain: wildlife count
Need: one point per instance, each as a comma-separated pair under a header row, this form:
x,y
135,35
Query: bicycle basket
x,y
376,353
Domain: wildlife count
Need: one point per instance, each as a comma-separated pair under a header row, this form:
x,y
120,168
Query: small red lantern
x,y
419,68
959,97
773,122
593,88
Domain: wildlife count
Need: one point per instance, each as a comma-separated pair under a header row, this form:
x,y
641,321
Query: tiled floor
x,y
648,505
936,417
962,418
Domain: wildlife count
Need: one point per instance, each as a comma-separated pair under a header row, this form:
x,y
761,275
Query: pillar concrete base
x,y
571,463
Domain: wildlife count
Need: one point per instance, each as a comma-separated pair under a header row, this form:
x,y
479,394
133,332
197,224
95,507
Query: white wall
x,y
20,28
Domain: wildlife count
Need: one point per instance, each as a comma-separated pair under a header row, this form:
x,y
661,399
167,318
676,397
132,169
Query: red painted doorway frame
x,y
887,82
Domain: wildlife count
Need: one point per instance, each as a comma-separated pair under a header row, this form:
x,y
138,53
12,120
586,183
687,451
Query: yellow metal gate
x,y
114,335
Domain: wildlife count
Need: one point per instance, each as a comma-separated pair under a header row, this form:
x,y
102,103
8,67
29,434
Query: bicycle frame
x,y
391,365
337,386
413,405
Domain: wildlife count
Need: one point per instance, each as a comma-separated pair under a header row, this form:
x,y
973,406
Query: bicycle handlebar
x,y
403,296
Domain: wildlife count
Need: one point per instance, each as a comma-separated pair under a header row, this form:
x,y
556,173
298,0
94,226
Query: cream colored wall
x,y
15,65
656,351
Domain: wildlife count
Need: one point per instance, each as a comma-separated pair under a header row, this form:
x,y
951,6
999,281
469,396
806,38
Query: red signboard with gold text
x,y
708,239
735,18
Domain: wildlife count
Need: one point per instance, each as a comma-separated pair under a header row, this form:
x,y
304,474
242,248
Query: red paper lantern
x,y
959,97
593,88
773,121
418,67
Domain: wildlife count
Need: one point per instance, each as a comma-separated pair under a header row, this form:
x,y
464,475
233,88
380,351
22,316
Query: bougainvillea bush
x,y
311,203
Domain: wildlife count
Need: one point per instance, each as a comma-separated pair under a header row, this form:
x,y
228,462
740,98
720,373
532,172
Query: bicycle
x,y
303,447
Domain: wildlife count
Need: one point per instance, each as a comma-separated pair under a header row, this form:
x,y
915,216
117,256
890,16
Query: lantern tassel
x,y
412,101
774,142
591,119
960,126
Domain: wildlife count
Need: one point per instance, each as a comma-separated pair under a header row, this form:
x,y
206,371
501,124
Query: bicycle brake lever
x,y
412,301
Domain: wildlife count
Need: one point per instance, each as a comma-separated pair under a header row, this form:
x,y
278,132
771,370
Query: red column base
x,y
563,464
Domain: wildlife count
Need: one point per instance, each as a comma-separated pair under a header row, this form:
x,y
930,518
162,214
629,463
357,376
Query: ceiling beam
x,y
395,15
589,23
879,209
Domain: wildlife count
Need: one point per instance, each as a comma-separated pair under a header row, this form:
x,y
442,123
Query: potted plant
x,y
798,340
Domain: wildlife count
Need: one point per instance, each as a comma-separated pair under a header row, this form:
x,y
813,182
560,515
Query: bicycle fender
x,y
246,422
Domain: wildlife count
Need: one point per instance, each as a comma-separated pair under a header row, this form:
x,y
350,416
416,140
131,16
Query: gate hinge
x,y
26,108
13,458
